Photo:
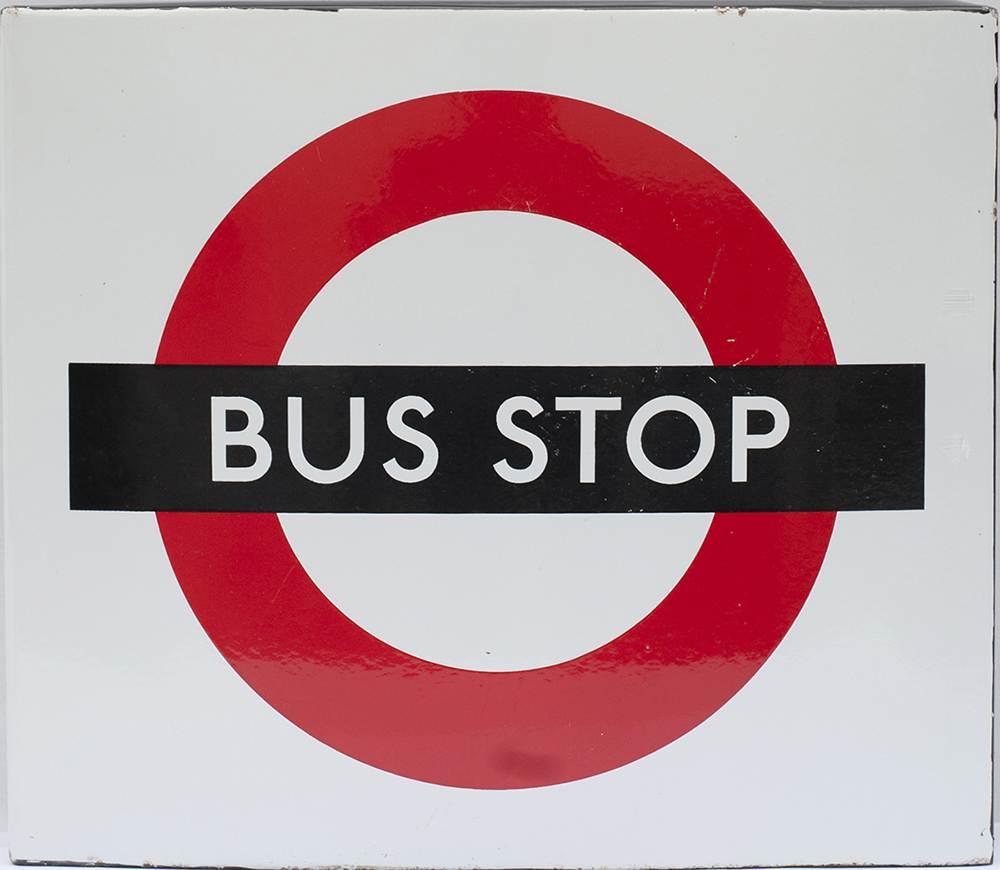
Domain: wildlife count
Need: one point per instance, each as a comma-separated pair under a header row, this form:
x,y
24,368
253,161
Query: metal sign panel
x,y
439,438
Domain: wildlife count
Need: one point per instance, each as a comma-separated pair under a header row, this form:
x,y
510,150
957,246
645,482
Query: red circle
x,y
394,169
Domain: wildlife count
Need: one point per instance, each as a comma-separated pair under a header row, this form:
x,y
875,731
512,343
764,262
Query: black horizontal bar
x,y
141,439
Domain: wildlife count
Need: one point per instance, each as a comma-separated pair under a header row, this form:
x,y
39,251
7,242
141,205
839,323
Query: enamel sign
x,y
501,457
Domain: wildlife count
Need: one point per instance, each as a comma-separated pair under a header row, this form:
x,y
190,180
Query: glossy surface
x,y
129,135
392,170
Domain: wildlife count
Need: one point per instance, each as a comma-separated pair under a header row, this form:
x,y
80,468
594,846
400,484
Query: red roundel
x,y
496,151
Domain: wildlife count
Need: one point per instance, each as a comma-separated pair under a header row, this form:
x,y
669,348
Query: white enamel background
x,y
855,737
509,592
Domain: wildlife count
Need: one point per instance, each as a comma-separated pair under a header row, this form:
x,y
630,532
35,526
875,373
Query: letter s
x,y
539,453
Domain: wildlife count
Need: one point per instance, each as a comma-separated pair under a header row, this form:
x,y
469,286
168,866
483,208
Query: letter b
x,y
249,436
